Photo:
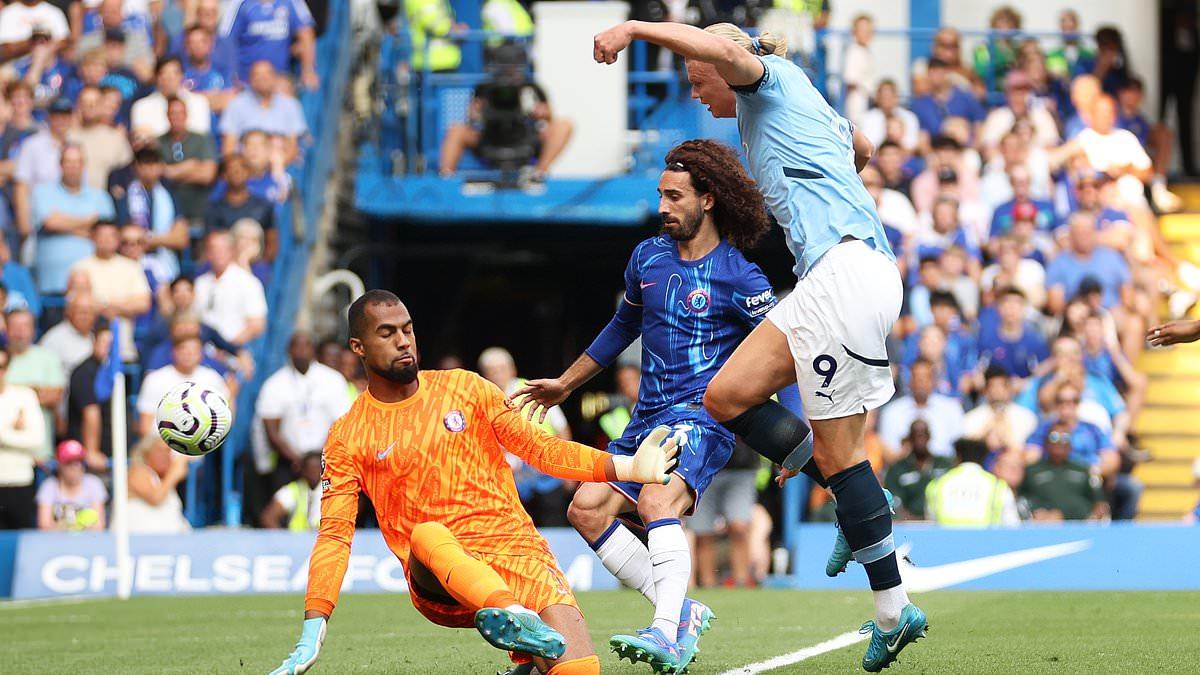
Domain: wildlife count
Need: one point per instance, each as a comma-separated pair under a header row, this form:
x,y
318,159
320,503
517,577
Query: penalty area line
x,y
843,640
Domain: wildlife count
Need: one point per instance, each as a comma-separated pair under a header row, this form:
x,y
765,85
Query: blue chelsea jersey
x,y
801,152
691,315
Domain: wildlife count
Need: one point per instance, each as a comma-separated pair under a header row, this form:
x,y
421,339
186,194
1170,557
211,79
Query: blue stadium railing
x,y
296,220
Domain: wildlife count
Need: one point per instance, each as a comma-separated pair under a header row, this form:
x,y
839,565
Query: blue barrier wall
x,y
1060,557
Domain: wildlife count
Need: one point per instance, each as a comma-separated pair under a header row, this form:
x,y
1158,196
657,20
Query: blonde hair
x,y
764,45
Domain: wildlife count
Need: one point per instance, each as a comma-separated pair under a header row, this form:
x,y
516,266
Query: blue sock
x,y
775,433
866,521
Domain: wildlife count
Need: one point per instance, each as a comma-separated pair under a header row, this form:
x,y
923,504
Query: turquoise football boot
x,y
523,632
694,620
886,645
651,646
841,555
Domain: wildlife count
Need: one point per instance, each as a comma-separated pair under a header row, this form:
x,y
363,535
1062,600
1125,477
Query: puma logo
x,y
824,395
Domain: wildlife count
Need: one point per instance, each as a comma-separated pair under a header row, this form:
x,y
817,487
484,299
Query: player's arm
x,y
652,463
736,66
864,149
537,396
330,555
1174,333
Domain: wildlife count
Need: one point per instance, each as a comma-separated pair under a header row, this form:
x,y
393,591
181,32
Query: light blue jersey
x,y
801,152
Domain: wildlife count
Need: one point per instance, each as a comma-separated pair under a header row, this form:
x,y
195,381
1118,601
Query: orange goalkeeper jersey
x,y
437,456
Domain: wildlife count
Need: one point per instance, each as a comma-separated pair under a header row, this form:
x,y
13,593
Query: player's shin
x,y
866,521
779,435
671,567
627,558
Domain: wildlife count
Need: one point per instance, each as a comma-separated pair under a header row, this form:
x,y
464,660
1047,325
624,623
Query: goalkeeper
x,y
428,449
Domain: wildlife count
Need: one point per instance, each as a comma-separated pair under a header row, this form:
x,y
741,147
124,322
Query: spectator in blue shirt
x,y
44,70
63,214
961,351
1084,258
1012,343
1114,228
203,74
944,100
264,157
224,52
1157,139
1090,445
929,279
148,204
1102,403
1023,201
19,282
946,231
264,30
263,107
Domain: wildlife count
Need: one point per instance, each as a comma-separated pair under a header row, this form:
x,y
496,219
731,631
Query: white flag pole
x,y
120,463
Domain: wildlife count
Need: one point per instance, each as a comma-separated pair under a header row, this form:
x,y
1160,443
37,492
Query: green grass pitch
x,y
970,632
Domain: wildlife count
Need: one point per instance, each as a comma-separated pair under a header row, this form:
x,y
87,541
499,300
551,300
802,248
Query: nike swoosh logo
x,y
645,285
894,644
386,451
661,562
920,579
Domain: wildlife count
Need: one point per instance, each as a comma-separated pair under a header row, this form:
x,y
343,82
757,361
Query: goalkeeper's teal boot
x,y
523,632
694,620
651,646
886,645
841,555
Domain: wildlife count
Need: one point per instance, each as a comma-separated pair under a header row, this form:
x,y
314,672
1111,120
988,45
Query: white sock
x,y
627,558
888,605
671,566
520,609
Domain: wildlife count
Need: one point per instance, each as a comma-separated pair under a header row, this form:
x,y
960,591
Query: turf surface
x,y
971,632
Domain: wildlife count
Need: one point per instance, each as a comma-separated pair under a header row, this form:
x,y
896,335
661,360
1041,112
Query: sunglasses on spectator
x,y
133,242
1058,437
1071,401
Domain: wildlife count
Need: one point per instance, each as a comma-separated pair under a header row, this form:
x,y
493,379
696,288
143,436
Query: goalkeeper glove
x,y
653,461
305,654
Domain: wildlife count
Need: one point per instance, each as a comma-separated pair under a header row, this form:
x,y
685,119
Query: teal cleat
x,y
841,555
886,645
521,632
694,620
651,646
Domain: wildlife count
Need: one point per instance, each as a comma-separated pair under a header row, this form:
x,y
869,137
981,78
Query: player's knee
x,y
656,504
737,530
718,402
427,536
588,521
588,665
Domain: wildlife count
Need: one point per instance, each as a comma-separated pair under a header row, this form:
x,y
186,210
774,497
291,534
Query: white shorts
x,y
837,321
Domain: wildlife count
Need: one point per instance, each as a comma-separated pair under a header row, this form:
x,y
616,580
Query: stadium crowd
x,y
144,151
141,163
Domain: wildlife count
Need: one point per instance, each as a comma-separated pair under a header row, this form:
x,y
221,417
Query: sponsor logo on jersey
x,y
455,421
761,303
698,301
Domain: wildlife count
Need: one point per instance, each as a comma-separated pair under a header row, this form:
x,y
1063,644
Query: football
x,y
193,420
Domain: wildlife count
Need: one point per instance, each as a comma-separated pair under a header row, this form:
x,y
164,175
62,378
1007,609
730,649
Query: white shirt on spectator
x,y
69,345
18,446
860,72
1030,280
1018,423
1001,120
895,210
943,414
159,382
287,499
874,126
306,405
1117,148
149,114
17,21
228,302
995,188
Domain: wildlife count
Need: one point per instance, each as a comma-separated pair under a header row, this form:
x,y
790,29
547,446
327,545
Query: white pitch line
x,y
55,601
843,640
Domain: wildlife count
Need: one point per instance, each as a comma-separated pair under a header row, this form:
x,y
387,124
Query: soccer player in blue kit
x,y
693,298
829,335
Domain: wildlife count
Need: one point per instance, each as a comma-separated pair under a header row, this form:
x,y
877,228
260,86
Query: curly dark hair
x,y
739,210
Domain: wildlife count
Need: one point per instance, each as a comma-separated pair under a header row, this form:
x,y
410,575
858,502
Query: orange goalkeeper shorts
x,y
534,579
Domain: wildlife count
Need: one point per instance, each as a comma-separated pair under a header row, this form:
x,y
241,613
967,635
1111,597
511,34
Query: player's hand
x,y
611,42
307,649
654,460
1174,333
537,397
784,474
